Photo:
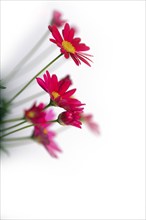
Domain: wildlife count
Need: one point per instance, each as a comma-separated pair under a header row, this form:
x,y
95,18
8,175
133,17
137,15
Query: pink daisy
x,y
88,120
56,19
71,118
37,115
58,91
69,45
46,138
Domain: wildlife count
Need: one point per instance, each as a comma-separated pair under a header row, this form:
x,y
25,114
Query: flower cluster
x,y
42,121
60,94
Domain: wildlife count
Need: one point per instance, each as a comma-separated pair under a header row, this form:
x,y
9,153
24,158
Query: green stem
x,y
34,78
11,120
56,120
25,127
47,106
5,129
16,139
16,130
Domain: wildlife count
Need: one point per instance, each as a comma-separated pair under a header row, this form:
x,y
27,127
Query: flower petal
x,y
56,33
42,84
65,31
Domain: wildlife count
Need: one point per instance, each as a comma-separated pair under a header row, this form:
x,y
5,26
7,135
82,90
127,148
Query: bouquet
x,y
41,116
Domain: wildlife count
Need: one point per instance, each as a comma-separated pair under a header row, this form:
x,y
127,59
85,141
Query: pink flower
x,y
71,118
56,19
46,138
69,45
37,115
58,91
88,120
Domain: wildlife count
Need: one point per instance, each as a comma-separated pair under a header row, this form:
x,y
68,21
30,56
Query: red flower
x,y
58,90
88,120
69,45
56,19
37,115
71,118
46,138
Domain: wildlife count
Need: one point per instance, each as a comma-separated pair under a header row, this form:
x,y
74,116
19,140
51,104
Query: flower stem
x,y
16,139
34,78
56,120
47,106
11,120
26,58
5,129
11,132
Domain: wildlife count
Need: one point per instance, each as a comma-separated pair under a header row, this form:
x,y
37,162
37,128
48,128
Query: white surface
x,y
95,177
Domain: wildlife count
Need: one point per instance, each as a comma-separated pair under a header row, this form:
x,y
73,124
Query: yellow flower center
x,y
31,114
68,47
45,131
55,95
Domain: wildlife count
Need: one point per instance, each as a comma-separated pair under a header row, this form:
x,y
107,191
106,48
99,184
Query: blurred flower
x,y
69,45
70,104
88,120
37,115
71,118
50,115
46,138
56,19
58,91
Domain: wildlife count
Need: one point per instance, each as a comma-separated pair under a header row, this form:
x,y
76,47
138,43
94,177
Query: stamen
x,y
45,131
55,95
68,47
31,114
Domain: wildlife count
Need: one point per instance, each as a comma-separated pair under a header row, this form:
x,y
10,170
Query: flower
x,y
56,19
88,120
71,118
37,115
58,90
46,138
69,45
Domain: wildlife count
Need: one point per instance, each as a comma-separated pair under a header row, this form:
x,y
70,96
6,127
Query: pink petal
x,y
69,93
71,35
64,86
55,33
82,59
76,40
47,80
54,146
54,41
82,47
75,59
85,56
51,151
54,82
50,115
65,31
42,84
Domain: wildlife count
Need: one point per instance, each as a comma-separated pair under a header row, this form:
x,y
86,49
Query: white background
x,y
96,177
